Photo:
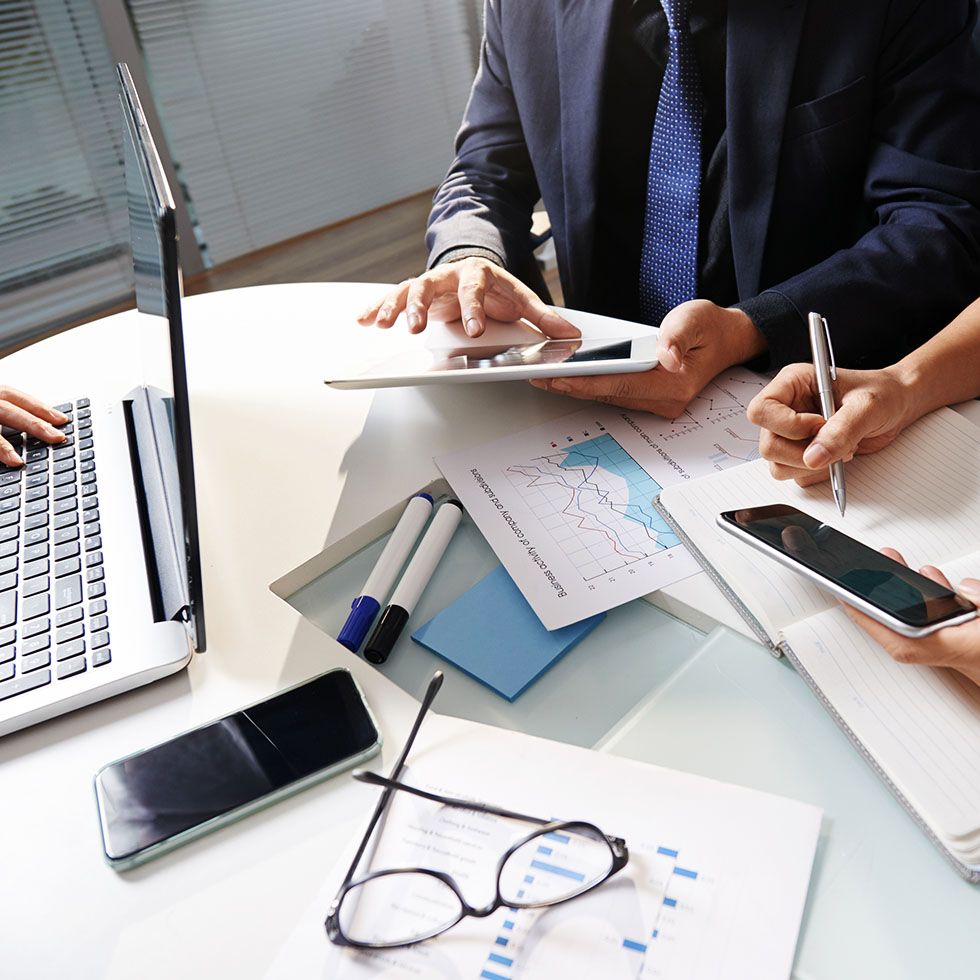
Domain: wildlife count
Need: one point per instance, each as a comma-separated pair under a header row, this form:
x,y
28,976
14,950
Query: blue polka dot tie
x,y
669,258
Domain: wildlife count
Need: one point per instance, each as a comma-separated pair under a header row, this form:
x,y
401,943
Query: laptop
x,y
100,589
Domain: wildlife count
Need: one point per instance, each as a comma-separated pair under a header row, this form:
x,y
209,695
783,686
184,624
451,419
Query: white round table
x,y
284,465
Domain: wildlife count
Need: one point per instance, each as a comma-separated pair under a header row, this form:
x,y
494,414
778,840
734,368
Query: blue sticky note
x,y
492,634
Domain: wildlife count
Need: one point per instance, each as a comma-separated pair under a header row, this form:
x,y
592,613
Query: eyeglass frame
x,y
617,847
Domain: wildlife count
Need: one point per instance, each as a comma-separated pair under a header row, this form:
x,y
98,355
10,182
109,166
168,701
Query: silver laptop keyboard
x,y
51,560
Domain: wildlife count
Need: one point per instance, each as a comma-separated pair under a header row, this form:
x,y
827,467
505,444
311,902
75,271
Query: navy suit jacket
x,y
854,158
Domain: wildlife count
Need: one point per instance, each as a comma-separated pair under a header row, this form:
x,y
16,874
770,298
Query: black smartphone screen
x,y
172,787
899,591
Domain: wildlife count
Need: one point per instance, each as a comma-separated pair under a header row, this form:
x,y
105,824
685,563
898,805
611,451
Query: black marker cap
x,y
385,634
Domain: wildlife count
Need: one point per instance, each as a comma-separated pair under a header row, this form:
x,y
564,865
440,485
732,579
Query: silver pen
x,y
823,364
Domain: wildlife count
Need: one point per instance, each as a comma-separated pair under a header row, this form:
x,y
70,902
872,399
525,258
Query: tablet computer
x,y
544,358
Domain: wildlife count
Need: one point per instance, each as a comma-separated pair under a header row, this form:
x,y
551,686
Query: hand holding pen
x,y
873,407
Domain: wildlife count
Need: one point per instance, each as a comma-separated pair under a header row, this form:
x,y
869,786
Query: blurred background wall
x,y
276,117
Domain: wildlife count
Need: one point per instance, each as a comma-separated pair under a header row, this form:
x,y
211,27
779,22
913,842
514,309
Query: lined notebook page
x,y
920,495
921,724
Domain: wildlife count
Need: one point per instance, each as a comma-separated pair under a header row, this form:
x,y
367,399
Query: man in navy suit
x,y
720,169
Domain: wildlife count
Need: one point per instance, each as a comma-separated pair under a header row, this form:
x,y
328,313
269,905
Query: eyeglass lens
x,y
408,906
554,867
396,909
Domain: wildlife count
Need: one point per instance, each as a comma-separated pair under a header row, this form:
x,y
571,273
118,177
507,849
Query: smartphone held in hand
x,y
884,589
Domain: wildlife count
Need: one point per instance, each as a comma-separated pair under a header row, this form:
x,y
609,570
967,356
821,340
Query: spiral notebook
x,y
918,727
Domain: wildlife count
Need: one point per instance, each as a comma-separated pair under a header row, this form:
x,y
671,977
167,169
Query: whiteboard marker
x,y
365,607
409,590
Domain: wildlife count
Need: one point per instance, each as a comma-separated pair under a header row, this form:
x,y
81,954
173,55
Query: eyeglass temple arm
x,y
391,784
431,691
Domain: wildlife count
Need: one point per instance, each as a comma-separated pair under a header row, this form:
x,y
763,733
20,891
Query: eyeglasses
x,y
557,861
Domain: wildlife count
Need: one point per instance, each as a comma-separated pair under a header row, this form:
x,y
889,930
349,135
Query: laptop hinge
x,y
151,447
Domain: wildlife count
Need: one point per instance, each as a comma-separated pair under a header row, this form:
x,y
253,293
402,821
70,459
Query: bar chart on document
x,y
568,505
653,920
645,925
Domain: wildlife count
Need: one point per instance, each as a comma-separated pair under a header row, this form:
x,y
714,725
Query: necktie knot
x,y
678,14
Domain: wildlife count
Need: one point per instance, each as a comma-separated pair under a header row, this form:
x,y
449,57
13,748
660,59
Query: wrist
x,y
919,390
464,252
745,341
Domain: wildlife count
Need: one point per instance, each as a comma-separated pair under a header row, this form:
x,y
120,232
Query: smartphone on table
x,y
159,798
890,593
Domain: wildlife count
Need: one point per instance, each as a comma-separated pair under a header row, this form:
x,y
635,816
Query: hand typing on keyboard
x,y
54,621
22,413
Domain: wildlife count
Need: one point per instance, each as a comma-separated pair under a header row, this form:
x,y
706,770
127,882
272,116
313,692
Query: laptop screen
x,y
153,234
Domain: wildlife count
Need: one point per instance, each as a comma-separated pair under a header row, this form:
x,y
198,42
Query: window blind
x,y
284,117
63,228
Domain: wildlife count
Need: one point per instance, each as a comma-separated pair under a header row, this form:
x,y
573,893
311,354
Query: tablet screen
x,y
467,357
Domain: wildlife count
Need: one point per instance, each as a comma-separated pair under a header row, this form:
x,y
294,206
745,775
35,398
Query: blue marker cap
x,y
362,612
425,496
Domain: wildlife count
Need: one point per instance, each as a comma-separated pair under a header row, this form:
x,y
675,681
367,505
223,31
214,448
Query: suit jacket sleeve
x,y
486,199
919,263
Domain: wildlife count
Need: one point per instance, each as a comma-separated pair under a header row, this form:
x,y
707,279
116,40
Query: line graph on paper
x,y
733,447
718,416
715,424
596,502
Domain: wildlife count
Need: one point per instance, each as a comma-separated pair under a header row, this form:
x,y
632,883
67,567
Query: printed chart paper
x,y
715,884
568,505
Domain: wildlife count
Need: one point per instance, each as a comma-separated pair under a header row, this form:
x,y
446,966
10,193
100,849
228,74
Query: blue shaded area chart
x,y
596,502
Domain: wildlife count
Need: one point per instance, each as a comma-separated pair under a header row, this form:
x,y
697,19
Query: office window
x,y
284,117
63,232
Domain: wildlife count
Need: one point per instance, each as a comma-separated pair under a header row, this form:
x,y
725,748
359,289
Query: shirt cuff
x,y
783,326
468,252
